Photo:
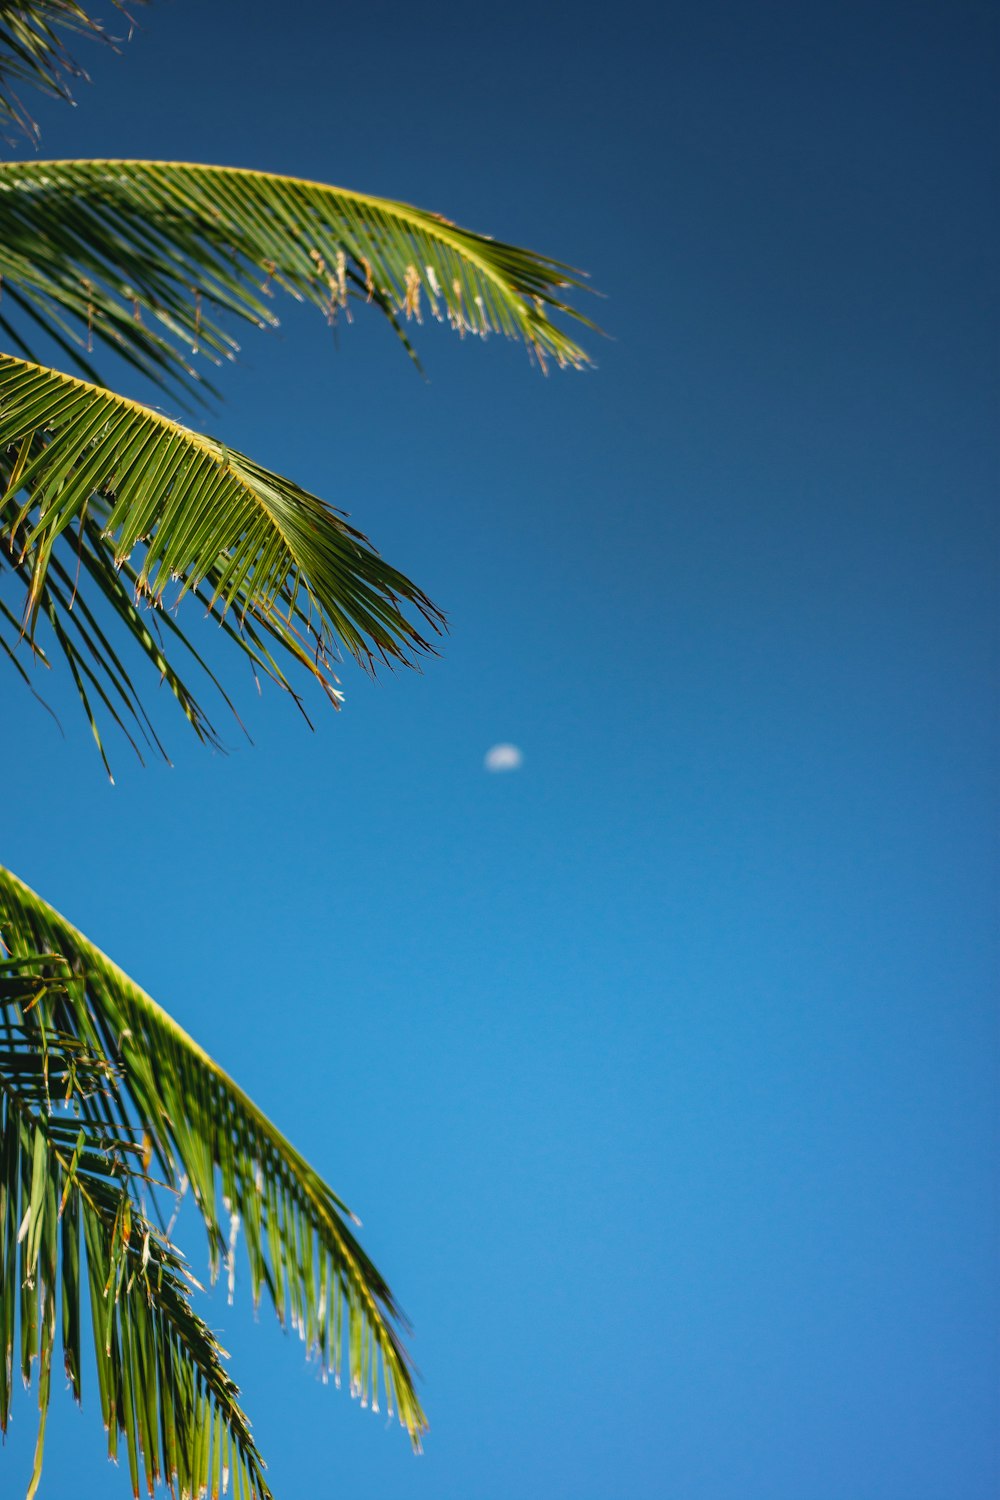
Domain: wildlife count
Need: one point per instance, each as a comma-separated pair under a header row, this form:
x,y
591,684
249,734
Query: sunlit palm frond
x,y
72,1230
98,483
244,1175
34,50
144,256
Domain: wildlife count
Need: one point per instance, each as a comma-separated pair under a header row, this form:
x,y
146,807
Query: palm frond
x,y
98,483
34,51
71,1218
103,681
94,248
202,1129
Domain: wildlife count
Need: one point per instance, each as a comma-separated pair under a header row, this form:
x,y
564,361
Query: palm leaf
x,y
93,478
95,664
93,248
70,1198
33,50
202,1129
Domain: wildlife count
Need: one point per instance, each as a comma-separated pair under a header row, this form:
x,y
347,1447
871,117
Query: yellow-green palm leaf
x,y
146,255
88,473
200,1128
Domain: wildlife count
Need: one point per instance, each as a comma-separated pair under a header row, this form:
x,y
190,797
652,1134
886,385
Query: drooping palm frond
x,y
98,483
92,248
103,680
72,1228
201,1128
34,51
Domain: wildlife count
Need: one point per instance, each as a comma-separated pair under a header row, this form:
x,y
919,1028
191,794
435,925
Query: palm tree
x,y
110,512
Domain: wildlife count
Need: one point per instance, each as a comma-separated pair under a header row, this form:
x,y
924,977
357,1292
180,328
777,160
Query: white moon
x,y
503,758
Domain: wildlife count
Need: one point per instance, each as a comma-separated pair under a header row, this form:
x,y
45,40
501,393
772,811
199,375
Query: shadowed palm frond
x,y
200,1128
34,52
94,249
72,1230
103,681
98,485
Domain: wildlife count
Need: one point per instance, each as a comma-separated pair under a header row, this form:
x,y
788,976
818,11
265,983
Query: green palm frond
x,y
200,1128
95,484
94,249
102,679
71,1224
33,50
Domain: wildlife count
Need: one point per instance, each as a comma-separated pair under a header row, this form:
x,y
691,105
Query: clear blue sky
x,y
664,1070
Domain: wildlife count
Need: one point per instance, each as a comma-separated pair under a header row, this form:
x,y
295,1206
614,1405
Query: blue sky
x,y
663,1071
